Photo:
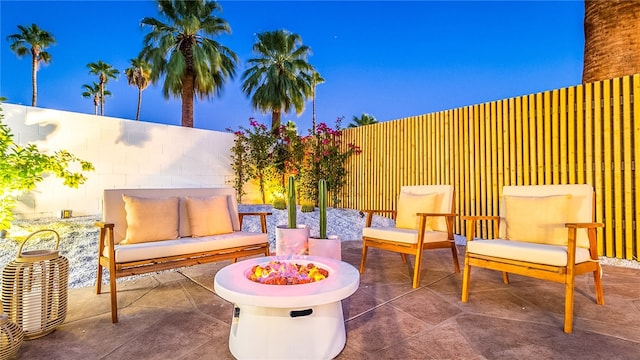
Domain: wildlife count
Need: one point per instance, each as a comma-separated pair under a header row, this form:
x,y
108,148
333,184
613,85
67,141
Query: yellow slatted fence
x,y
580,134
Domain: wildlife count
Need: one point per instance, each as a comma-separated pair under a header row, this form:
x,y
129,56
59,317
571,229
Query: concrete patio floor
x,y
176,315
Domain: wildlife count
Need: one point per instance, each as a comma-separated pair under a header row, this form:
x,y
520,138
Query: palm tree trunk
x,y
34,78
313,117
187,100
611,45
103,80
96,102
275,122
139,103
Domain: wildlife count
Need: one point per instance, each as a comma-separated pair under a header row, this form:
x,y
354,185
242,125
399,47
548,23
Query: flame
x,y
287,273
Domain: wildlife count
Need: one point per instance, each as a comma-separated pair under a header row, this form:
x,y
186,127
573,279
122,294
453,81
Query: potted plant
x,y
291,240
327,246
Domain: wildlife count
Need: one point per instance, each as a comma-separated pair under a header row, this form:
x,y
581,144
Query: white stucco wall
x,y
125,153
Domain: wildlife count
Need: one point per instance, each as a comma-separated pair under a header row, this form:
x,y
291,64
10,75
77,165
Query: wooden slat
x,y
636,155
616,168
608,170
628,182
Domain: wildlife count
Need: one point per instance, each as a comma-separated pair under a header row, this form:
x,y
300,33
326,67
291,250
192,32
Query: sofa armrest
x,y
471,223
263,218
370,213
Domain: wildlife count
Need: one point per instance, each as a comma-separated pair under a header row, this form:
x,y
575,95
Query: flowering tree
x,y
325,159
252,155
259,154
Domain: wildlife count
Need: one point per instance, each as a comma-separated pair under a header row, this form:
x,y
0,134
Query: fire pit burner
x,y
287,273
287,322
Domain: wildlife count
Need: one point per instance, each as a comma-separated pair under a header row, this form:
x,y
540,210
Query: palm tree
x,y
364,119
182,50
611,33
35,40
104,72
316,79
280,77
138,75
93,91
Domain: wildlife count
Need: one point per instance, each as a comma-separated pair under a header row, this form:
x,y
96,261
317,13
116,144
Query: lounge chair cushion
x,y
182,246
410,204
408,236
553,255
208,215
150,219
537,219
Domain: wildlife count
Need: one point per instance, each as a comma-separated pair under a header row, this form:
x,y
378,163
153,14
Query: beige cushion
x,y
410,204
408,236
150,219
537,219
183,246
553,255
209,216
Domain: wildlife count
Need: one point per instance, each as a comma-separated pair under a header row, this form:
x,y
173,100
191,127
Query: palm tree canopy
x,y
32,39
91,91
364,119
183,46
139,73
103,70
280,78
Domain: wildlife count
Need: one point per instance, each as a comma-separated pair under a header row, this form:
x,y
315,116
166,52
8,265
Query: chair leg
x,y
597,282
404,258
99,278
364,258
416,269
465,280
454,253
568,306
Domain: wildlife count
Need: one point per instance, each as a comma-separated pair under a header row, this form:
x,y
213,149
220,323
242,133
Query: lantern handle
x,y
37,232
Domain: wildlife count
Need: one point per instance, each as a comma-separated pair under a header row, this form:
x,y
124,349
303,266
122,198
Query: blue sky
x,y
387,58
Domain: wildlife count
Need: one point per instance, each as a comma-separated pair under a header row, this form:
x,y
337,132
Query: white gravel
x,y
79,237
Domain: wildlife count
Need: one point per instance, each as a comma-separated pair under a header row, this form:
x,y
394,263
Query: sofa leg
x,y
114,299
99,279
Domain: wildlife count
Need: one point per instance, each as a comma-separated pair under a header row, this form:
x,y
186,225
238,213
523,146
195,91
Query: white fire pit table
x,y
302,321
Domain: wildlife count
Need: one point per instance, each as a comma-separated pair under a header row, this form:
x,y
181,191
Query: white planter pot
x,y
331,247
292,242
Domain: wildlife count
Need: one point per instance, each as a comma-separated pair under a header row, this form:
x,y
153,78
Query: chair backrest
x,y
580,206
444,203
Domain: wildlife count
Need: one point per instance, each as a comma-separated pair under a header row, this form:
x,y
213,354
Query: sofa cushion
x,y
537,219
553,255
410,204
183,246
208,215
408,236
150,219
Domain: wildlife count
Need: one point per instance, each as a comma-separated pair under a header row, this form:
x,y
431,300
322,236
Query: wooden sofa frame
x,y
123,269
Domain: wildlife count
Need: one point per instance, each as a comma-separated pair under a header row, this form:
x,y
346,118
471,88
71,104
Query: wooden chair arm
x,y
104,225
370,213
263,218
572,239
471,223
479,217
437,214
584,225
